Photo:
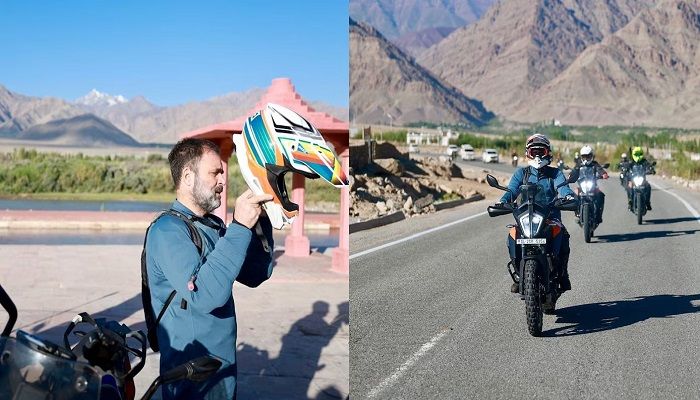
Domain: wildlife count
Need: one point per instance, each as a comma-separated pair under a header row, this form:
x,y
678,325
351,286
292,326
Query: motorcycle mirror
x,y
493,182
11,309
606,165
197,370
653,163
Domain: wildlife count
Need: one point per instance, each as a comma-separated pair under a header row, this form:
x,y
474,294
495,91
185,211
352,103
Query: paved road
x,y
433,317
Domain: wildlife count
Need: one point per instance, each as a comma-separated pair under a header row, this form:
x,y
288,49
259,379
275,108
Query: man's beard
x,y
206,198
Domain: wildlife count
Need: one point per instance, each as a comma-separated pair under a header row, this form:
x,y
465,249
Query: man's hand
x,y
249,207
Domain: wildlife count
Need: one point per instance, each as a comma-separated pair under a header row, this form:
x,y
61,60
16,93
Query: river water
x,y
140,206
320,240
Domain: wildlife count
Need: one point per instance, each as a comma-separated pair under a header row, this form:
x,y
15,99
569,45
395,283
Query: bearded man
x,y
192,259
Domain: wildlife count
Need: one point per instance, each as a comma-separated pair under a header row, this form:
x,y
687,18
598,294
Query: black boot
x,y
648,206
564,282
515,287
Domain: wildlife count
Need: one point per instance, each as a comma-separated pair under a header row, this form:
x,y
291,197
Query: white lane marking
x,y
415,235
388,382
687,205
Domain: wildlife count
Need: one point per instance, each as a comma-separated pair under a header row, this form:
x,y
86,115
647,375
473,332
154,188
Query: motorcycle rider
x,y
623,166
538,152
588,159
639,159
577,160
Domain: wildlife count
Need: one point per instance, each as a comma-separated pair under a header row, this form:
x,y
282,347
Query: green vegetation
x,y
51,176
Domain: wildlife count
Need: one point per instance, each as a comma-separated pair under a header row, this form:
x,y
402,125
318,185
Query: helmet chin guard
x,y
277,140
539,162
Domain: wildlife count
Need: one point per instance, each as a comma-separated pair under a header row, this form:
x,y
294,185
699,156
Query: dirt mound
x,y
412,186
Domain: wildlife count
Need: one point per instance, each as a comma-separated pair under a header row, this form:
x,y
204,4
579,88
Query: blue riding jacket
x,y
202,321
548,178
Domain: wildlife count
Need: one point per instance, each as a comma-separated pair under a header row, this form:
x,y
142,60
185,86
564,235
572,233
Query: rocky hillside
x,y
394,18
84,130
138,117
387,86
646,73
19,112
520,45
414,43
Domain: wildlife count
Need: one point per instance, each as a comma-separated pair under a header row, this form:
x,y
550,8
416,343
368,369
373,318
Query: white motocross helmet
x,y
587,155
277,140
538,151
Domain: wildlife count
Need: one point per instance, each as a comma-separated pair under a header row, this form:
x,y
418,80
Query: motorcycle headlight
x,y
530,230
638,180
586,186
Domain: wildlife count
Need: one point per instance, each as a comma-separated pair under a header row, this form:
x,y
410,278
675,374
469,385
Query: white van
x,y
467,152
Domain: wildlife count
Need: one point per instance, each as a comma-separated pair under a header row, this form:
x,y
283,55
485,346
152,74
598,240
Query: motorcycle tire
x,y
640,207
586,222
533,299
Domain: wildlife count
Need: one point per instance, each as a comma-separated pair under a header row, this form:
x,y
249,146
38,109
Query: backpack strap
x,y
145,288
526,175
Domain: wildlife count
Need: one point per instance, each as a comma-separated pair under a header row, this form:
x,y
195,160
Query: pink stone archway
x,y
282,92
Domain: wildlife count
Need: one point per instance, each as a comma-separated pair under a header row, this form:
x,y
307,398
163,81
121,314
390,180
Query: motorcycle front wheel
x,y
640,207
533,299
586,218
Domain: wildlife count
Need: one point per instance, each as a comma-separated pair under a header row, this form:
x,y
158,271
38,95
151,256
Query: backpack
x,y
246,277
151,320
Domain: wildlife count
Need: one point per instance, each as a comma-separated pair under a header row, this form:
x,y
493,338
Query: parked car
x,y
451,149
467,152
489,156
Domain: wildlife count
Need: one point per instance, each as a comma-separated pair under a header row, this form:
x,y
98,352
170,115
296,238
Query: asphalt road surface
x,y
432,316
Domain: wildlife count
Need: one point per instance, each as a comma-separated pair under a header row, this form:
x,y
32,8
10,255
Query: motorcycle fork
x,y
537,253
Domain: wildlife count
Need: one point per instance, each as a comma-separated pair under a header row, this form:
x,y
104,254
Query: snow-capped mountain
x,y
96,98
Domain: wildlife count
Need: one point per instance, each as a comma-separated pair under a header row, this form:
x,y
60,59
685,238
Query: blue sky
x,y
172,52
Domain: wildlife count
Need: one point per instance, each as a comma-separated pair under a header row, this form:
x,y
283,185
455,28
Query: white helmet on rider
x,y
587,155
538,151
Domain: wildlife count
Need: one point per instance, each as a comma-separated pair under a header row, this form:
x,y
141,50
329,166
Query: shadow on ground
x,y
598,317
259,375
298,359
670,220
626,237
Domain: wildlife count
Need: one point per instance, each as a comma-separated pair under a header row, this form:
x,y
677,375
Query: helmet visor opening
x,y
537,151
275,177
587,156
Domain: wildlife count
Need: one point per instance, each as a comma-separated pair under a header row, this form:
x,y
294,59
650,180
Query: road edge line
x,y
414,236
687,205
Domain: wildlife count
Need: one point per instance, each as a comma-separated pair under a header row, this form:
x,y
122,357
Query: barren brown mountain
x,y
520,45
387,86
85,130
138,117
394,18
646,73
414,43
19,112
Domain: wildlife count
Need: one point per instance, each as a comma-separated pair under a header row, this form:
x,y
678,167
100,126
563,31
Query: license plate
x,y
531,241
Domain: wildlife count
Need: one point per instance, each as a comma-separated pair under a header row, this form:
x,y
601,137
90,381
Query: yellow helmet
x,y
637,154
